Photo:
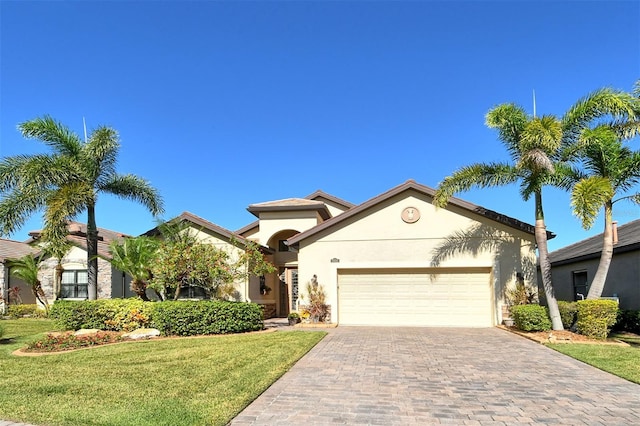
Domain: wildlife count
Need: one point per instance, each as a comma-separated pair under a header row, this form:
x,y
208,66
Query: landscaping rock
x,y
85,331
142,333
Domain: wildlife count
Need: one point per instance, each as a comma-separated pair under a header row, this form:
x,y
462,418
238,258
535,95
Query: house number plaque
x,y
410,215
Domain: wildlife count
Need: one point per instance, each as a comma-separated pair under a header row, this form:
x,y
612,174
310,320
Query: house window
x,y
580,287
193,292
74,284
282,246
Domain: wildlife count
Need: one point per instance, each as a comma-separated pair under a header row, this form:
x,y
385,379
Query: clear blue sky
x,y
224,104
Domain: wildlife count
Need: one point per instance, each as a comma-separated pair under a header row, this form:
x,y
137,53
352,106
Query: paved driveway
x,y
403,376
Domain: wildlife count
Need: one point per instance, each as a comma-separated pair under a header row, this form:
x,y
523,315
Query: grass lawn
x,y
619,360
194,381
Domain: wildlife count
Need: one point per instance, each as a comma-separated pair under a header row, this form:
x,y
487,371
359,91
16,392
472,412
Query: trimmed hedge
x,y
188,318
531,317
568,313
628,320
181,318
596,317
1,331
27,310
107,314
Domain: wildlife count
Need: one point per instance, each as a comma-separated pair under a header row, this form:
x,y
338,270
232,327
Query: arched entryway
x,y
286,263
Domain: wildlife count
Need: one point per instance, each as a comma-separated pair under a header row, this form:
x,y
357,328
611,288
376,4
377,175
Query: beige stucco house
x,y
395,259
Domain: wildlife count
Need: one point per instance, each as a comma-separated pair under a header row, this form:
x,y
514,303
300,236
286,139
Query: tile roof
x,y
10,249
628,239
77,237
319,194
290,204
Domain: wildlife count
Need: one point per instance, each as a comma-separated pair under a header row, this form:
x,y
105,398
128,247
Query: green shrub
x,y
124,314
1,331
74,315
531,317
596,317
28,310
188,318
628,320
107,314
568,313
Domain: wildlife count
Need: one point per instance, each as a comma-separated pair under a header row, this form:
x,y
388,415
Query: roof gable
x,y
430,192
208,226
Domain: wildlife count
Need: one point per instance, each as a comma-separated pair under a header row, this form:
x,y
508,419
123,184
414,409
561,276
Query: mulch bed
x,y
561,336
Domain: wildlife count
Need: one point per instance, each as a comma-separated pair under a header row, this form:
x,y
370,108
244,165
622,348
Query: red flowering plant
x,y
69,341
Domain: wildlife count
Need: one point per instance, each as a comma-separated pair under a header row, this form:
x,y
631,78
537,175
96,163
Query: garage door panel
x,y
426,297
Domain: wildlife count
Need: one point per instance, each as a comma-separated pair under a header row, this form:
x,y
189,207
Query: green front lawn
x,y
619,360
194,381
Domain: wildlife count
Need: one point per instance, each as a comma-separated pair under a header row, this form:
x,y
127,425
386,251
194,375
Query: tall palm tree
x,y
26,269
135,256
532,143
595,129
610,168
66,183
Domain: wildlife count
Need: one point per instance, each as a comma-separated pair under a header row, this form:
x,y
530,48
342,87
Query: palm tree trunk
x,y
57,284
545,264
597,285
92,253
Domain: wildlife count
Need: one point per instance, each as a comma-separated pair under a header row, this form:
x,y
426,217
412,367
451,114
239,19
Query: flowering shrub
x,y
69,341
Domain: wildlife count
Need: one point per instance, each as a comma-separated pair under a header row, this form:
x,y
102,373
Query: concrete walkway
x,y
404,376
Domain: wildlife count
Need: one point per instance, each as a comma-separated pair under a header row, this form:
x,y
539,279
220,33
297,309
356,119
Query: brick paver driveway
x,y
398,376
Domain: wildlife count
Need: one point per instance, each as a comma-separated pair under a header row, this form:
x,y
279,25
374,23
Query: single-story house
x,y
395,259
573,267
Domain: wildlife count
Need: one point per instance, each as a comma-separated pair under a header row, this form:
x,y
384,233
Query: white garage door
x,y
442,297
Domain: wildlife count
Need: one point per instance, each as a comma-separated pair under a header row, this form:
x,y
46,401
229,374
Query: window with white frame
x,y
74,284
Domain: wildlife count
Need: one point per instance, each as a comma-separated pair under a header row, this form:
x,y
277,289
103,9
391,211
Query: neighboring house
x,y
111,282
13,289
573,267
393,260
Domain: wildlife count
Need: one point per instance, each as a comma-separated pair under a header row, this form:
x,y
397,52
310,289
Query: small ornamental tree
x,y
180,265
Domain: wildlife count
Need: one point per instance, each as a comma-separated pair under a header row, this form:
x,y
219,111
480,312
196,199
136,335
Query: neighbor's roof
x,y
316,196
628,239
10,249
411,184
206,225
78,234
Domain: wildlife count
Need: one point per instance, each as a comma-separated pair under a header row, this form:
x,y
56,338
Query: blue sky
x,y
225,104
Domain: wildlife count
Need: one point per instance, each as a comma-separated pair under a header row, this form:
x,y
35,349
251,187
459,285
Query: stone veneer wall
x,y
48,271
268,310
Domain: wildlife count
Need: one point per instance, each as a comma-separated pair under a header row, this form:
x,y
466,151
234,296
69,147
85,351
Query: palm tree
x,y
595,128
66,183
135,256
609,168
26,269
532,143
